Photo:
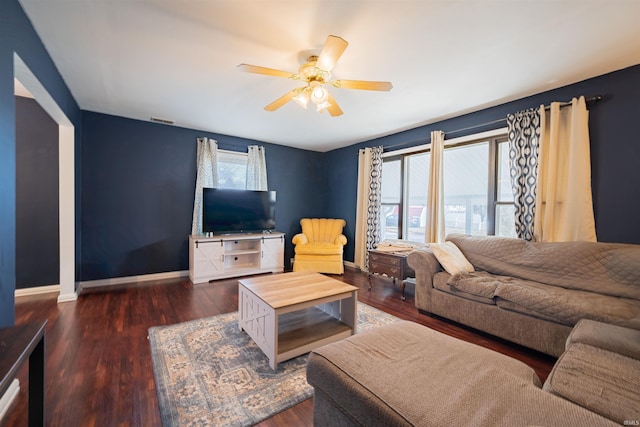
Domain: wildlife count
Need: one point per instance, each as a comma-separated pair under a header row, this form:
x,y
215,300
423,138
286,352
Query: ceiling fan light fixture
x,y
302,99
315,73
320,107
319,94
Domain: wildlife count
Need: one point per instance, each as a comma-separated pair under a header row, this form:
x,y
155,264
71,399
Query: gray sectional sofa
x,y
532,293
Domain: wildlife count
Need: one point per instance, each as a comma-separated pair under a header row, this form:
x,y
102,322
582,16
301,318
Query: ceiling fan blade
x,y
331,52
362,85
264,70
281,101
333,108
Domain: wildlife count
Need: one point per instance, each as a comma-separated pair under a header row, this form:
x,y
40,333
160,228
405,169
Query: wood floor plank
x,y
98,368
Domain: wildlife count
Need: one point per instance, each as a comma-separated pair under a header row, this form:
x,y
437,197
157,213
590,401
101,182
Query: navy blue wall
x,y
615,150
138,181
37,196
17,35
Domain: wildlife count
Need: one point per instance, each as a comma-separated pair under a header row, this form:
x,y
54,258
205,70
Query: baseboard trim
x,y
37,290
67,297
8,397
132,279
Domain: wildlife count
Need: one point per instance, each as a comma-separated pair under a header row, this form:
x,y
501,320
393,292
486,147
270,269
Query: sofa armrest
x,y
617,339
600,370
300,239
425,265
425,261
601,381
340,240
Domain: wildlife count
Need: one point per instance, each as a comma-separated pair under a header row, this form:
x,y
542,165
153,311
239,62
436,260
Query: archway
x,y
66,136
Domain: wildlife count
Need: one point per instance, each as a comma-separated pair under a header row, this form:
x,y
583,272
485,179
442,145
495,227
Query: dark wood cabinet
x,y
391,264
19,345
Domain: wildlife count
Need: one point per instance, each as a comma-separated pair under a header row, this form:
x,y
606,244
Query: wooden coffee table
x,y
290,314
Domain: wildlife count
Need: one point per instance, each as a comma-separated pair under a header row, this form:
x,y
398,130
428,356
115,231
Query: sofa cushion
x,y
570,306
478,283
566,306
599,380
517,308
440,282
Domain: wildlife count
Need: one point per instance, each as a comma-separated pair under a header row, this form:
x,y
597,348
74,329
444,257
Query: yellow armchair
x,y
320,245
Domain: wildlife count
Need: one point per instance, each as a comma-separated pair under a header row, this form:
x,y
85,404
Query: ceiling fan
x,y
315,73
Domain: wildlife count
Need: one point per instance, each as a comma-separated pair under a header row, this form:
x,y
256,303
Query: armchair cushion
x,y
318,248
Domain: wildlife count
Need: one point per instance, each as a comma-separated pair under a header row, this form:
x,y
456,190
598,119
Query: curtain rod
x,y
592,99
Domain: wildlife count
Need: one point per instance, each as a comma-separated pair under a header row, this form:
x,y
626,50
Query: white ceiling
x,y
176,59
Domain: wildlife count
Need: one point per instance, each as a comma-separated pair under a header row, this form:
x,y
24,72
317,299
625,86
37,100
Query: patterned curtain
x,y
524,138
256,169
206,176
434,231
368,204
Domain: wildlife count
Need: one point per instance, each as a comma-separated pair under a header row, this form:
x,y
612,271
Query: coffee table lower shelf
x,y
299,332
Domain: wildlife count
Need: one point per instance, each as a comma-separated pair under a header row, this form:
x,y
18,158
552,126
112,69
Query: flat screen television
x,y
237,211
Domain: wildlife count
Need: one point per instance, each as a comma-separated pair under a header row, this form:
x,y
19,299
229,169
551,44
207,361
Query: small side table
x,y
17,345
391,264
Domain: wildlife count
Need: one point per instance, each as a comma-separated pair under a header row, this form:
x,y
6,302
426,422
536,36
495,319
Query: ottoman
x,y
405,374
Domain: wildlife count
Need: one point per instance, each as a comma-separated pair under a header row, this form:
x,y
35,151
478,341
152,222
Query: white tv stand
x,y
233,255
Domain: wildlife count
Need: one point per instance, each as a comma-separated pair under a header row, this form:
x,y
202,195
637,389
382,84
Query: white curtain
x,y
256,169
564,207
368,204
206,176
434,232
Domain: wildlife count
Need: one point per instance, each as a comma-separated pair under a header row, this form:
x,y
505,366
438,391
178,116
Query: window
x,y
232,170
391,198
477,189
505,208
466,189
418,166
405,178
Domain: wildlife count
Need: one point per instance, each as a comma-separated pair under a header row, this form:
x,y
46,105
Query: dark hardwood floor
x,y
98,368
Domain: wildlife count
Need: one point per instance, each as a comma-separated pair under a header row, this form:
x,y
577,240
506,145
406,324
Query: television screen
x,y
237,211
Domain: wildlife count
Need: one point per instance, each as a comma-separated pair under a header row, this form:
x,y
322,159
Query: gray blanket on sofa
x,y
603,268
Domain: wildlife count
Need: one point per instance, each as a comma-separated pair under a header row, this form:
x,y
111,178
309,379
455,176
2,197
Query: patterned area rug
x,y
208,372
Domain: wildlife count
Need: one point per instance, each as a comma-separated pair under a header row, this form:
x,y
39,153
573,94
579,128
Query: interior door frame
x,y
66,163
